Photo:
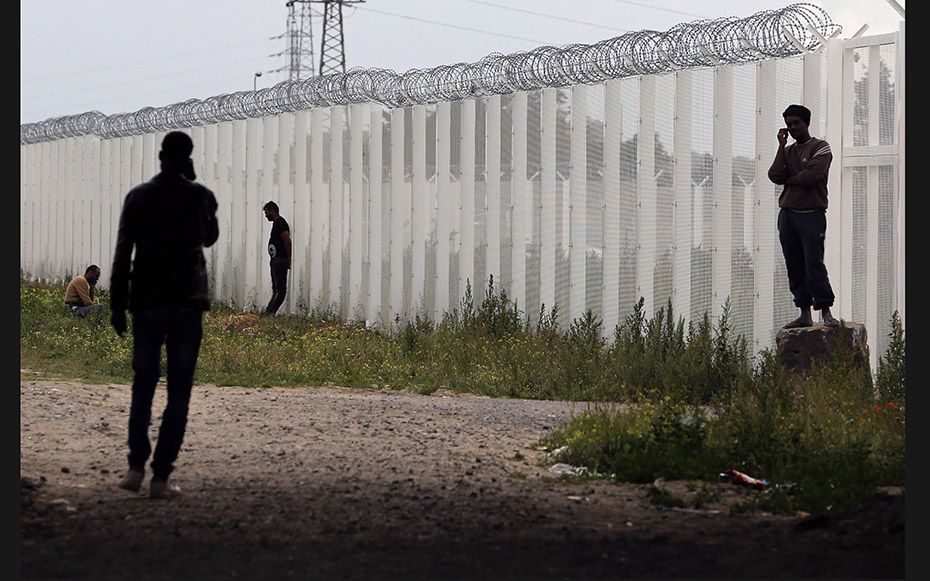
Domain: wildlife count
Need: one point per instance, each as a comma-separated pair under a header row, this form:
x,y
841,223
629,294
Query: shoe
x,y
132,481
160,488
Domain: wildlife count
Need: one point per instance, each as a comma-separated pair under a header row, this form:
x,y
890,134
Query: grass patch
x,y
661,497
823,444
705,495
485,346
668,400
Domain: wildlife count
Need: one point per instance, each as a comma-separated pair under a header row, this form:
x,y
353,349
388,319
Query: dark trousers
x,y
802,236
278,284
181,330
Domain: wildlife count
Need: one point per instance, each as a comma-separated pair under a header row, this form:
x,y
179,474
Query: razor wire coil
x,y
700,43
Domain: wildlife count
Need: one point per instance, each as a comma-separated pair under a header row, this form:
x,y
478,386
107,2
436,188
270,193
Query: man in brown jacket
x,y
80,293
802,169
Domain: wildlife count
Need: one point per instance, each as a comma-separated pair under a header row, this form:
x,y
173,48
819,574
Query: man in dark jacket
x,y
802,168
169,220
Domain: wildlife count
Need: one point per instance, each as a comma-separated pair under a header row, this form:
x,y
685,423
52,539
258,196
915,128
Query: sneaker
x,y
159,488
132,481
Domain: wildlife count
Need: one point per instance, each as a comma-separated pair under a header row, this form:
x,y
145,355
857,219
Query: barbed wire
x,y
701,43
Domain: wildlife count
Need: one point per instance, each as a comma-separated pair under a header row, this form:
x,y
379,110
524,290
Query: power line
x,y
562,18
643,4
524,39
125,97
386,13
164,58
125,81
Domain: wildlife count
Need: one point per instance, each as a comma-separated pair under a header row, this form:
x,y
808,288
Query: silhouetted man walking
x,y
168,220
279,249
802,168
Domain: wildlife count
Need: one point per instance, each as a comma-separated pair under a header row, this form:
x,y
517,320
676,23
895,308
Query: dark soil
x,y
342,483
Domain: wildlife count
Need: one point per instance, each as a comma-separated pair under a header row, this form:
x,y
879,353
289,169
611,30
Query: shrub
x,y
889,380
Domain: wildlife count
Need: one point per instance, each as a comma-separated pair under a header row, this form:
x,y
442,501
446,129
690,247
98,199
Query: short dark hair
x,y
271,206
176,145
798,111
91,268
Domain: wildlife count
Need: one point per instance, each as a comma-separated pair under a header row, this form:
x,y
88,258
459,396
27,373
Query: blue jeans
x,y
181,331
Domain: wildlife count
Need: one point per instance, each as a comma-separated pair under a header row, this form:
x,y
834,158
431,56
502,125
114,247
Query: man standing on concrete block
x,y
802,169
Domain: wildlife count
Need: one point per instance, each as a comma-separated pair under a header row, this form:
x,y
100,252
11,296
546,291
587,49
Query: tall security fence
x,y
585,177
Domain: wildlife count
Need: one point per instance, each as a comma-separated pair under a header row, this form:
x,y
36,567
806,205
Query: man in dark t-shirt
x,y
279,249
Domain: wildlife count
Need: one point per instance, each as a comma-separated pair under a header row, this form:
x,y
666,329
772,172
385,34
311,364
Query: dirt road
x,y
342,483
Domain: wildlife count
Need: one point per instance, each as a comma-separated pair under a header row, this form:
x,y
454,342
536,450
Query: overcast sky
x,y
117,56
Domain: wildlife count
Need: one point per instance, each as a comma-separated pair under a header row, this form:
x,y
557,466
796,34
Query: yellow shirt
x,y
79,292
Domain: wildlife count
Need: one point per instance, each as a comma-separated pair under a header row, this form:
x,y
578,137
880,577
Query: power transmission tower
x,y
299,40
332,46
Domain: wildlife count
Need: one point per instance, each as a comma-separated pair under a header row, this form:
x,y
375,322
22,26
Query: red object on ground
x,y
737,477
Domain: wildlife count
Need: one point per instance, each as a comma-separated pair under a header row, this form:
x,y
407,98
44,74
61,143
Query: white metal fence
x,y
585,197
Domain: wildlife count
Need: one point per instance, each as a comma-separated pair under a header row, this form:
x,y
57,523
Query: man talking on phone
x,y
802,169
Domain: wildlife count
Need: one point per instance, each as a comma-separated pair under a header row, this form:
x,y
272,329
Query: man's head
x,y
176,145
175,152
92,274
271,211
797,121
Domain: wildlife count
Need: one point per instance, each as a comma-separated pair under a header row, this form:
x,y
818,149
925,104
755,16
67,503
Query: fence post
x,y
376,220
646,196
443,209
722,216
578,204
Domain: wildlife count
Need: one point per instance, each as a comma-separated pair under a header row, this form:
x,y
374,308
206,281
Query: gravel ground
x,y
338,483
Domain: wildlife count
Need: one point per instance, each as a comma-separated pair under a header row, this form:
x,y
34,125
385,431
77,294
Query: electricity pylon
x,y
299,35
332,45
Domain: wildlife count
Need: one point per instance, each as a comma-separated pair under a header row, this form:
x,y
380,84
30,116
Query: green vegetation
x,y
823,441
661,497
668,401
